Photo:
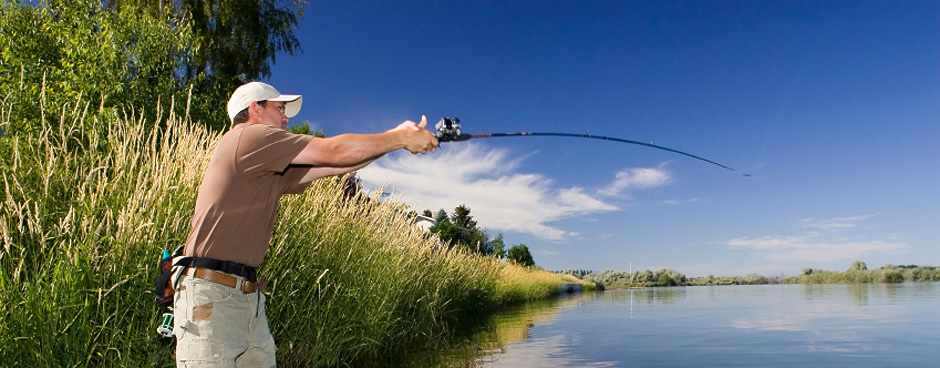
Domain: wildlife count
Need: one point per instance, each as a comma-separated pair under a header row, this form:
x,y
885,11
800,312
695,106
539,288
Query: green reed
x,y
88,206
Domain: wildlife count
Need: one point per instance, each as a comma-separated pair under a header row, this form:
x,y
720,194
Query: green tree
x,y
441,216
710,280
445,230
460,229
520,255
498,246
891,275
665,280
755,279
462,217
858,266
304,128
69,55
472,236
133,55
235,41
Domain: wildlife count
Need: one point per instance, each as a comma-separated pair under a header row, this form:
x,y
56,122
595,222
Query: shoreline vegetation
x,y
858,273
92,199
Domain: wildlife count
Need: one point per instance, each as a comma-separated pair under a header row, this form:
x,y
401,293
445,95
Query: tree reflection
x,y
474,340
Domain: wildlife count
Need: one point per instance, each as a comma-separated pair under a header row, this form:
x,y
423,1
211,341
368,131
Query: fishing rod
x,y
448,130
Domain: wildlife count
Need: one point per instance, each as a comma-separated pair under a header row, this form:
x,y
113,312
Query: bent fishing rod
x,y
448,130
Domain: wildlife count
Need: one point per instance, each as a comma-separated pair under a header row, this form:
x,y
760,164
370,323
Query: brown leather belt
x,y
222,279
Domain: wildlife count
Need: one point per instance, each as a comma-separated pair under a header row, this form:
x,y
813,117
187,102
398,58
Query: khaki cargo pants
x,y
220,326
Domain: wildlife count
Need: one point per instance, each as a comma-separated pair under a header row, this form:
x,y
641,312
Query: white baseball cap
x,y
257,91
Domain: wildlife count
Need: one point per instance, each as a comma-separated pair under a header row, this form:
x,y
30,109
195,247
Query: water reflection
x,y
477,342
834,316
744,326
643,296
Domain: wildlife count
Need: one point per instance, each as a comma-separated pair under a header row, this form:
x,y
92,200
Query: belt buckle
x,y
245,286
248,287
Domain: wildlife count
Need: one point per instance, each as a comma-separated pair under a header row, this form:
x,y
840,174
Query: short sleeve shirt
x,y
237,202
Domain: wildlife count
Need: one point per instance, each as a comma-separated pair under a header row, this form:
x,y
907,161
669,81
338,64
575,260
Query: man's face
x,y
273,115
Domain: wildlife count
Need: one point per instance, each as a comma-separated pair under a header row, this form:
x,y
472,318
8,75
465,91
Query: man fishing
x,y
219,313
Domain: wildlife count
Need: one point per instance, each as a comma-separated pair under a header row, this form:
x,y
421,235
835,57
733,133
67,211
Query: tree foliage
x,y
644,278
472,236
305,128
236,41
858,273
460,230
69,53
520,255
858,266
132,54
498,246
576,273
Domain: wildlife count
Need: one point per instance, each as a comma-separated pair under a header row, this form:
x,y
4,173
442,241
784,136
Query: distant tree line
x,y
752,279
858,272
576,273
646,278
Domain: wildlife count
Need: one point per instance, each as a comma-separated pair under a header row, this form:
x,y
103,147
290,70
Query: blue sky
x,y
833,107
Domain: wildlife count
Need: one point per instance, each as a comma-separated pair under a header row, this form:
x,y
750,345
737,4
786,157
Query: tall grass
x,y
86,212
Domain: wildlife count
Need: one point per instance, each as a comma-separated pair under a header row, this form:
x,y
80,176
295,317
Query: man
x,y
219,308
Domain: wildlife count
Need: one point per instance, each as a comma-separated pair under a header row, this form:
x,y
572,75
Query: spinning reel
x,y
448,130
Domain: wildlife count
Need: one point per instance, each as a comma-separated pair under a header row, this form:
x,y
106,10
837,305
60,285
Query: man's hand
x,y
418,139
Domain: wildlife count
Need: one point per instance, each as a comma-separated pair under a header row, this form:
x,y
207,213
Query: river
x,y
878,325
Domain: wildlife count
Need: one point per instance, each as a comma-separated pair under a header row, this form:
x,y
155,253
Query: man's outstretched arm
x,y
353,151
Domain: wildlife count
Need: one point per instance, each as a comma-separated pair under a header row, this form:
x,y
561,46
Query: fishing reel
x,y
448,130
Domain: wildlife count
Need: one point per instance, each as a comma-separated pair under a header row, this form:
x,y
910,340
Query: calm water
x,y
726,326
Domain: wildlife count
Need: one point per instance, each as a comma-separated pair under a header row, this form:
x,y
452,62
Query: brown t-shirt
x,y
249,172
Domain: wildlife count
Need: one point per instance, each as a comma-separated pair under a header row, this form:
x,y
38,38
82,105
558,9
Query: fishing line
x,y
448,130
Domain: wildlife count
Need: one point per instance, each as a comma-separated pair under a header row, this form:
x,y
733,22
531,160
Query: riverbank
x,y
90,205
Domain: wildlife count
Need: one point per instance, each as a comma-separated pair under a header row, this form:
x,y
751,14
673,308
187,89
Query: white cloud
x,y
676,202
830,245
485,179
808,249
835,223
638,178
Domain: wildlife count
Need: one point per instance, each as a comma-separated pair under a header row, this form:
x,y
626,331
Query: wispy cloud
x,y
831,244
676,202
835,223
486,180
636,178
809,249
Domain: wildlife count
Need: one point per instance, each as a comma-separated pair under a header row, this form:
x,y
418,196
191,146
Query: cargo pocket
x,y
199,350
